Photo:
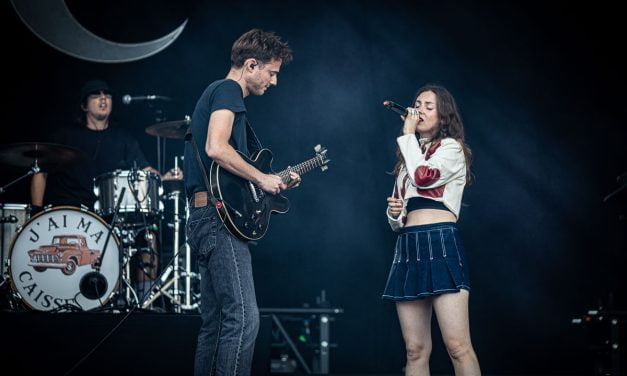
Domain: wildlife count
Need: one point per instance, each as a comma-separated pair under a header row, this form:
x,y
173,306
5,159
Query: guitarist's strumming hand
x,y
271,183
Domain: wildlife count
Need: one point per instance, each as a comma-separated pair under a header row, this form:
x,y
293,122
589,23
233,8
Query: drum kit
x,y
67,258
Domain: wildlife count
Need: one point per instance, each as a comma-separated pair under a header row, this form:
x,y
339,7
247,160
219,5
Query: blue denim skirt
x,y
428,260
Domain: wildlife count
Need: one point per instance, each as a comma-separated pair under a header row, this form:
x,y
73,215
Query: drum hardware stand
x,y
129,292
8,219
33,170
127,237
174,297
162,289
4,267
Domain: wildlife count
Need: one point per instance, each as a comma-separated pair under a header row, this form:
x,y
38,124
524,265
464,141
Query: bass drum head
x,y
54,250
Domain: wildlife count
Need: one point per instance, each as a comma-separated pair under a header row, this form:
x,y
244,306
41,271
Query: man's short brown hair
x,y
261,45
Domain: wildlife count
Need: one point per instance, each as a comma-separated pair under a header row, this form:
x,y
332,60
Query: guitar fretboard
x,y
301,168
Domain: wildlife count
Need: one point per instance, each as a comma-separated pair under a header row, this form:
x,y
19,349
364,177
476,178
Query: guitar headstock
x,y
321,154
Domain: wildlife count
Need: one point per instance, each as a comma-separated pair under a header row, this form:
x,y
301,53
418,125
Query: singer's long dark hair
x,y
450,125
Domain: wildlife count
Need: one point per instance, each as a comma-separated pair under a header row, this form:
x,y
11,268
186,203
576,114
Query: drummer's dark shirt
x,y
105,151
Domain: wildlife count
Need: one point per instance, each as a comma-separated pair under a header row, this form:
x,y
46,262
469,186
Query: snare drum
x,y
12,217
142,196
54,250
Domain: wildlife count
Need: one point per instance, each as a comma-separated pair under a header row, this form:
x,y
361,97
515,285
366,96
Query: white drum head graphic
x,y
54,250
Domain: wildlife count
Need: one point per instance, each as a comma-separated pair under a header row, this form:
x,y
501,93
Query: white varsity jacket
x,y
436,171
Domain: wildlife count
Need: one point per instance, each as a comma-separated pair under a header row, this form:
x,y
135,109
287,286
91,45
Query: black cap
x,y
94,87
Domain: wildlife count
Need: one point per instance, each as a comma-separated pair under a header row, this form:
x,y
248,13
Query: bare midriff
x,y
428,216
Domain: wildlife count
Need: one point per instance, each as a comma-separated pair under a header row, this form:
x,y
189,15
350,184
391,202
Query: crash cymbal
x,y
170,129
48,156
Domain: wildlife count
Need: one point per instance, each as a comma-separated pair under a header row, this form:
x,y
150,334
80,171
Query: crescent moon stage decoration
x,y
52,22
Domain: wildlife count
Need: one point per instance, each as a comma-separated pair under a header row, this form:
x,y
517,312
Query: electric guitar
x,y
244,207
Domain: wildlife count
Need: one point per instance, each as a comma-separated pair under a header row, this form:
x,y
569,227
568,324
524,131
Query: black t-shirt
x,y
219,95
105,151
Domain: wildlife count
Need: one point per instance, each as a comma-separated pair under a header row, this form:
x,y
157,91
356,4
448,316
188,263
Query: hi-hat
x,y
170,129
47,155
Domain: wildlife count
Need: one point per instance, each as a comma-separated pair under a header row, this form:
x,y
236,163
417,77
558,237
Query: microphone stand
x,y
93,285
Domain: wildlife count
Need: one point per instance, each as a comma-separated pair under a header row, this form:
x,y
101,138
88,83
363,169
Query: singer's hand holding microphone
x,y
409,115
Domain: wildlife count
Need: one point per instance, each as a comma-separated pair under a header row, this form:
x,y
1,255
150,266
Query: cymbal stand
x,y
189,304
175,249
33,170
175,268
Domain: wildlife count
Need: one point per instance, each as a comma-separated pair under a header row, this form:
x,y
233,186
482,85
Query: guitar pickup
x,y
253,191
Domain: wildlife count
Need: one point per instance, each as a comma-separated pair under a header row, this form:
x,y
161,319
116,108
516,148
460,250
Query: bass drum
x,y
54,250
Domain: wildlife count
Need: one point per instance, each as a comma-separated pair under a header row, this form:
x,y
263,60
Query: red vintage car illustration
x,y
66,252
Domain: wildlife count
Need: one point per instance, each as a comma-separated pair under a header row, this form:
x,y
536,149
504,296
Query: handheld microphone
x,y
128,99
395,107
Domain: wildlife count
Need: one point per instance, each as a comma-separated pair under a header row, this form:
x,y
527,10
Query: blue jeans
x,y
228,306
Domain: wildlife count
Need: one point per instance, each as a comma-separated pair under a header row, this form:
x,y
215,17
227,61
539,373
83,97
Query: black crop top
x,y
416,203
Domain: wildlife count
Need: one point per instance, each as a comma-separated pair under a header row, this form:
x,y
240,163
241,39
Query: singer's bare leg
x,y
452,313
415,320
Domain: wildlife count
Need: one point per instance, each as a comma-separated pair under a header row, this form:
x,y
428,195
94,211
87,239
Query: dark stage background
x,y
541,91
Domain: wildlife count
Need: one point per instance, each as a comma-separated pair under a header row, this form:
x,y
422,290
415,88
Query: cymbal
x,y
170,129
49,156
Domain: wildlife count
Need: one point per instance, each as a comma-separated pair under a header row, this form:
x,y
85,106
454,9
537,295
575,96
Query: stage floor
x,y
140,343
39,343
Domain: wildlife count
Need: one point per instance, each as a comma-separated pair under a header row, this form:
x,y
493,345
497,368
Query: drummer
x,y
107,148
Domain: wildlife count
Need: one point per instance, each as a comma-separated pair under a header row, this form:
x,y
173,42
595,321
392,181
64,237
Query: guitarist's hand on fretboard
x,y
294,180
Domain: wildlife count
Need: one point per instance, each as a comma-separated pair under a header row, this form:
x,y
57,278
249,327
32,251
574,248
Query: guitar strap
x,y
190,138
252,141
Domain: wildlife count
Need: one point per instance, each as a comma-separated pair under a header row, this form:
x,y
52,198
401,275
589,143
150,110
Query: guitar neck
x,y
301,168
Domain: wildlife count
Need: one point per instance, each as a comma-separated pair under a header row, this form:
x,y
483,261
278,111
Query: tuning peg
x,y
317,148
324,168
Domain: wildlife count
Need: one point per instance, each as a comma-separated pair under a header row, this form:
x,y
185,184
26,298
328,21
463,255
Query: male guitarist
x,y
219,129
